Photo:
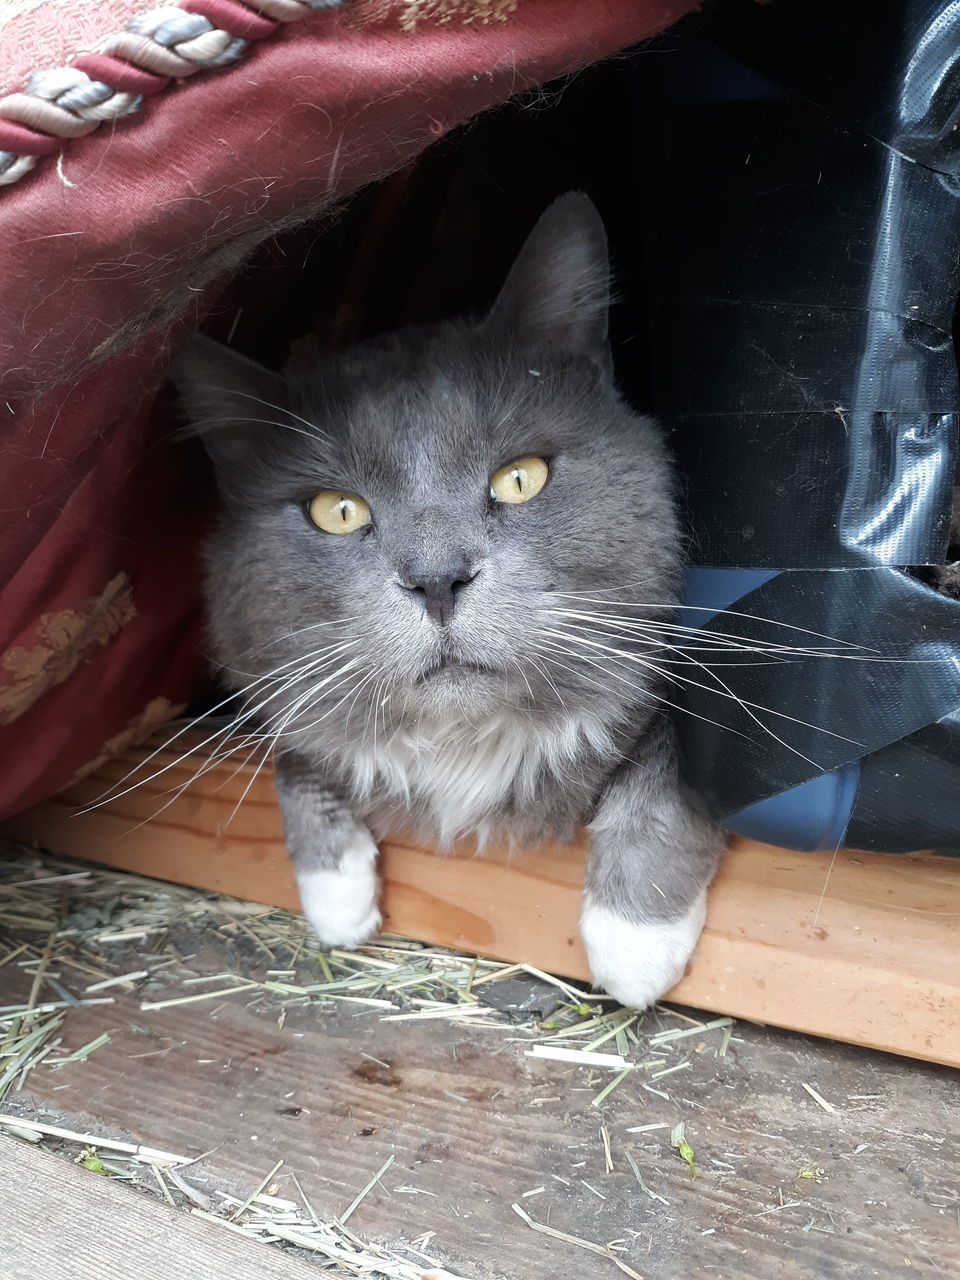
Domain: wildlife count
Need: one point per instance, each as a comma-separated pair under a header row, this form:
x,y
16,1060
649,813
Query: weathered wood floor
x,y
61,1223
475,1126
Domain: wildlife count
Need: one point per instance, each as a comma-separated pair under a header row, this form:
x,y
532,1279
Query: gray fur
x,y
477,714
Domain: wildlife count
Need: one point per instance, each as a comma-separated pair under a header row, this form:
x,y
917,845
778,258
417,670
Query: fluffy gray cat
x,y
438,586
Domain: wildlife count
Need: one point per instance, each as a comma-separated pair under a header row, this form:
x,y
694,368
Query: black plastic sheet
x,y
806,271
758,727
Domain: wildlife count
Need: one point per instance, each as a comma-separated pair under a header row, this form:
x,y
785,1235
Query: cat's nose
x,y
439,586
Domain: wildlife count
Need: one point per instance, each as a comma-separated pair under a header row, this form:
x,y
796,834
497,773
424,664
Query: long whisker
x,y
269,742
112,793
717,642
646,637
329,712
731,613
243,693
643,638
310,698
523,676
546,676
647,693
317,662
297,631
722,691
518,404
712,639
176,792
267,752
312,428
229,420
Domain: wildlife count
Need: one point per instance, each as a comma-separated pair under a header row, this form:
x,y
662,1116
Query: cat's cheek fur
x,y
639,963
341,904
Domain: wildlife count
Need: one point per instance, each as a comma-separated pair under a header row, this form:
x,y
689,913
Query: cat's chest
x,y
457,779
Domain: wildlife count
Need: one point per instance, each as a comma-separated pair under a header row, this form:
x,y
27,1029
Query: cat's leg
x,y
334,856
650,859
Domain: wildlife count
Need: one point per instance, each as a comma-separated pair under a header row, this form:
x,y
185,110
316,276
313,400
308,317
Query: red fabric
x,y
107,264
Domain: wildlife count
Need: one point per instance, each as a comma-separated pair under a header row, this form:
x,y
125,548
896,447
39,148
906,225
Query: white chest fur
x,y
458,777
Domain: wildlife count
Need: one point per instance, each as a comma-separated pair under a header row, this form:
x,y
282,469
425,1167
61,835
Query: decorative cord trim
x,y
410,13
166,43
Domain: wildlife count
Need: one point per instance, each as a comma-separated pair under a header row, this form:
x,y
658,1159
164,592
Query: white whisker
x,y
731,613
723,691
247,712
642,689
712,639
312,429
268,751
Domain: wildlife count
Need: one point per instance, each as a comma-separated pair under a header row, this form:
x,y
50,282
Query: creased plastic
x,y
806,272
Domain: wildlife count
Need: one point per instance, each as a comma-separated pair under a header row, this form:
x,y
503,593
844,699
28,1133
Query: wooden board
x,y
61,1222
474,1125
860,947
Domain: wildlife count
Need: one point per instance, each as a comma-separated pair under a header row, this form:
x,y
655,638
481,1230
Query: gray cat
x,y
439,585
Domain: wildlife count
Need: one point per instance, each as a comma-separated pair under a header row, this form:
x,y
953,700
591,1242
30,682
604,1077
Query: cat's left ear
x,y
558,289
232,402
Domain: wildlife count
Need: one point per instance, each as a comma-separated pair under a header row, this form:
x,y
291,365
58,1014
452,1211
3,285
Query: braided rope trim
x,y
166,43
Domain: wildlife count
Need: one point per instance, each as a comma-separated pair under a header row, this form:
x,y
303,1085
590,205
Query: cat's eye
x,y
336,512
520,480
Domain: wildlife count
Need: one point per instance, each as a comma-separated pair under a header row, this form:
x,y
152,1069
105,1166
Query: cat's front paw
x,y
639,963
341,904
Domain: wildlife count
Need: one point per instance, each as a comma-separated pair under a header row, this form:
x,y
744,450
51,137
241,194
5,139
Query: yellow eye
x,y
335,512
520,480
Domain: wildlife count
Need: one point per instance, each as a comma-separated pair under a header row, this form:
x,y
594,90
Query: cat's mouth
x,y
452,668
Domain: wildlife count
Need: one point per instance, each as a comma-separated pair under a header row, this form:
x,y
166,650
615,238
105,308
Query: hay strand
x,y
604,1250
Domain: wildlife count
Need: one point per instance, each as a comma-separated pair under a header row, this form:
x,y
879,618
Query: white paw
x,y
341,905
639,963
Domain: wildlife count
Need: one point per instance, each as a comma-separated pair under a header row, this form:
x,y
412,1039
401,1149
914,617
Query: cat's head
x,y
404,520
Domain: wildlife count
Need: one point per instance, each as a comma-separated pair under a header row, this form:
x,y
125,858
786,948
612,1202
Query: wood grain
x,y
860,947
61,1222
473,1124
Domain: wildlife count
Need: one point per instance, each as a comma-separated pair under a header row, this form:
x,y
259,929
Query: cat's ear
x,y
231,401
558,289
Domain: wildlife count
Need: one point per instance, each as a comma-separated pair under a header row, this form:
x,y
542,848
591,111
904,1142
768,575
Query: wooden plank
x,y
473,1125
61,1222
860,947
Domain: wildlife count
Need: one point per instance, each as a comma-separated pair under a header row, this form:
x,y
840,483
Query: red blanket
x,y
110,250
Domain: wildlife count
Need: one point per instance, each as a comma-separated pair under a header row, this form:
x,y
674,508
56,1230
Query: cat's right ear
x,y
558,290
231,401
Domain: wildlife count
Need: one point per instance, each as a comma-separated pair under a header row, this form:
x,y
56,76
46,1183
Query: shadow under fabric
x,y
808,245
